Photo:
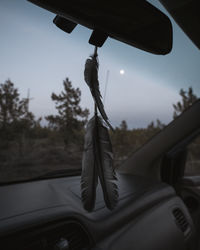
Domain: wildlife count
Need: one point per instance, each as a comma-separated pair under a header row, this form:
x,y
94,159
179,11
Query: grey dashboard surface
x,y
31,204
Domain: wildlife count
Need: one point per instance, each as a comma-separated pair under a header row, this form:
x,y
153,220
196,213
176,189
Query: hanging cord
x,y
95,51
95,109
95,55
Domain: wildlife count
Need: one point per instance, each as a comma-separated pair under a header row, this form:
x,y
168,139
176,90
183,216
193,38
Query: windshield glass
x,y
45,102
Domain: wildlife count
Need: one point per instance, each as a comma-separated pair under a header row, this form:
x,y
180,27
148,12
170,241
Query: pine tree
x,y
11,107
123,126
16,122
14,115
188,98
71,118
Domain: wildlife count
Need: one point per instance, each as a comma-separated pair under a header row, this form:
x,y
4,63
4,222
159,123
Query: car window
x,y
192,166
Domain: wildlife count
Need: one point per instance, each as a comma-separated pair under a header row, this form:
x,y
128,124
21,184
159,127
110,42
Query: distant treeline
x,y
25,142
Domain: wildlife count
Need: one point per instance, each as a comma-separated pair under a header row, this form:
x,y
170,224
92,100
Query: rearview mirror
x,y
137,23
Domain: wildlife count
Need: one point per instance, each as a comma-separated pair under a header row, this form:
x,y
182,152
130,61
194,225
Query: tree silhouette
x,y
16,120
158,125
14,115
123,126
71,118
11,107
188,98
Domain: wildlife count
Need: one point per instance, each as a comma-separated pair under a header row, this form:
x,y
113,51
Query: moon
x,y
121,72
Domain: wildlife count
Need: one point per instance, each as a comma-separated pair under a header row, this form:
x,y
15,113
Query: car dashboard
x,y
48,214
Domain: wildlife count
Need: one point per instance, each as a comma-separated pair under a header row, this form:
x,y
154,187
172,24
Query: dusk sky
x,y
36,55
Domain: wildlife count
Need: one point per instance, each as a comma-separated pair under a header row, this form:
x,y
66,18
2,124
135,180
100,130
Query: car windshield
x,y
45,103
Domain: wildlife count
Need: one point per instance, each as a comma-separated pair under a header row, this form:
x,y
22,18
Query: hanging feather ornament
x,y
91,78
98,156
104,158
89,177
98,162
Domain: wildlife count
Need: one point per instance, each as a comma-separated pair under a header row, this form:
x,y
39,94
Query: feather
x,y
91,78
98,162
89,177
106,171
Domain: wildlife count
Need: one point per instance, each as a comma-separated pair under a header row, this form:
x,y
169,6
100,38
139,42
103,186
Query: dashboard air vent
x,y
78,239
50,237
71,232
181,220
